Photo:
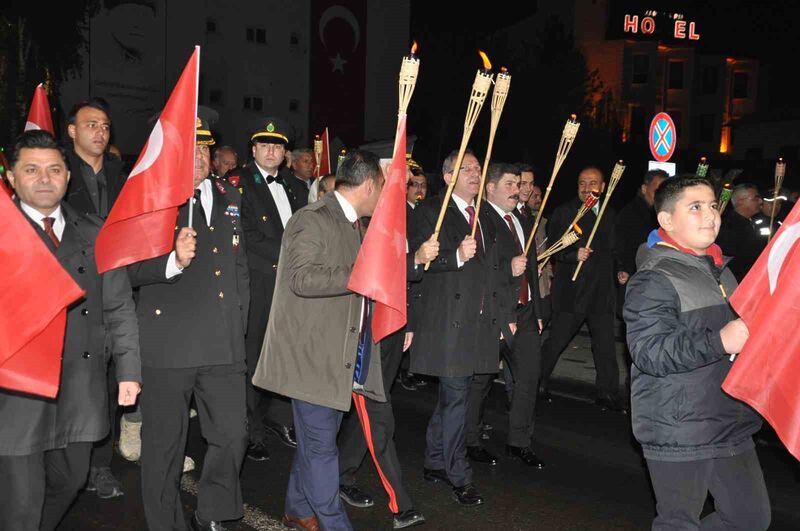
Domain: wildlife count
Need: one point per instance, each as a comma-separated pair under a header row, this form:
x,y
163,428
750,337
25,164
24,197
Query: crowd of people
x,y
213,329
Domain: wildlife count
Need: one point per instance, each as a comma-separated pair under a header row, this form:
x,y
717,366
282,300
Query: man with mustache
x,y
461,316
522,352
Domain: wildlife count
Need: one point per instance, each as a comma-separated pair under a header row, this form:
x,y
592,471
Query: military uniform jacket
x,y
197,318
311,342
459,312
261,222
101,324
595,290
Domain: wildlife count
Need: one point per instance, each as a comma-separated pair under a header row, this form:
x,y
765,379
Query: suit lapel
x,y
265,195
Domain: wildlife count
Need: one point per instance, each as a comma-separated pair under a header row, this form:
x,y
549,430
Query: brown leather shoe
x,y
306,524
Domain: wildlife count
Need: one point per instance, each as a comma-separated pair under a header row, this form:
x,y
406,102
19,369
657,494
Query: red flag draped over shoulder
x,y
380,269
766,374
141,225
39,116
34,294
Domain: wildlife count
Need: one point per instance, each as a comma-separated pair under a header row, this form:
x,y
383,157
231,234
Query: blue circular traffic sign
x,y
663,138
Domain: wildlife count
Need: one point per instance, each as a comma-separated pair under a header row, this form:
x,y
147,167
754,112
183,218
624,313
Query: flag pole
x,y
196,91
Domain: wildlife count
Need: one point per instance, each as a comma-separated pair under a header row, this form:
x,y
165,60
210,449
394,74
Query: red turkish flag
x,y
35,292
4,186
766,374
325,158
380,269
39,116
141,225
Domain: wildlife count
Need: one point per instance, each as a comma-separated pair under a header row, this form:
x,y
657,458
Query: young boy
x,y
681,335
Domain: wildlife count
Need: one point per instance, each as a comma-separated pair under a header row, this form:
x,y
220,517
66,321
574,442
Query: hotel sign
x,y
661,24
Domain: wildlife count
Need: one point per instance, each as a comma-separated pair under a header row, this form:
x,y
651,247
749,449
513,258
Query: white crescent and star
x,y
779,251
345,14
151,152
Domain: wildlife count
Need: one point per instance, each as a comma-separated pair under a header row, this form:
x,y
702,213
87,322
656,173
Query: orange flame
x,y
577,229
727,186
316,137
621,162
573,117
414,48
487,65
703,160
504,70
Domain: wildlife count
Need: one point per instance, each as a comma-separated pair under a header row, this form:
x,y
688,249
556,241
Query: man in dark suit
x,y
592,297
45,444
192,312
460,316
323,372
522,351
97,179
268,201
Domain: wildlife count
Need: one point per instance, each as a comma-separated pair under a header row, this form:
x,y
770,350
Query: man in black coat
x,y
635,222
192,312
97,179
460,316
592,297
45,444
268,201
738,237
522,351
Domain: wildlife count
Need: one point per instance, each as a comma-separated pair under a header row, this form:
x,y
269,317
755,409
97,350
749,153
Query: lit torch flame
x,y
414,48
577,229
504,70
487,65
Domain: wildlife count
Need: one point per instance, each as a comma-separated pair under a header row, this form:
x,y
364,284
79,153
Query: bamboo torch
x,y
567,138
780,172
318,154
570,236
724,197
501,86
591,200
480,87
409,70
616,175
702,168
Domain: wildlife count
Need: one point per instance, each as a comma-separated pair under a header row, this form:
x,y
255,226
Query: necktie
x,y
365,334
198,205
478,235
48,229
276,179
526,211
523,282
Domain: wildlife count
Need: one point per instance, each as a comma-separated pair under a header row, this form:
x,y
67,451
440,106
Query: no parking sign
x,y
663,138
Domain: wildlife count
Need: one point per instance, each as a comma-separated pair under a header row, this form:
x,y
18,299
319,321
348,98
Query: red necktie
x,y
48,229
478,236
523,281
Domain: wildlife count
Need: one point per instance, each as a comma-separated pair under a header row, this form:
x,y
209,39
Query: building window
x,y
641,65
710,74
677,119
740,85
675,75
706,131
294,40
211,25
215,97
253,103
261,35
250,34
638,124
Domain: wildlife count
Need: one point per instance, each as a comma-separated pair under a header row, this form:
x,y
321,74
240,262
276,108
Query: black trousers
x,y
104,449
371,427
524,360
737,484
219,394
36,490
563,328
445,439
261,405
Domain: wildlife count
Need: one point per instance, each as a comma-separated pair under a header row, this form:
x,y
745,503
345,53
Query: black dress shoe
x,y
611,403
257,452
435,475
284,433
407,518
201,525
526,455
480,455
467,495
355,496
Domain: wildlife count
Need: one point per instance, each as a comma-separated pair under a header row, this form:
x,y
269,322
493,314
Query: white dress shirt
x,y
207,202
462,207
278,195
517,229
58,225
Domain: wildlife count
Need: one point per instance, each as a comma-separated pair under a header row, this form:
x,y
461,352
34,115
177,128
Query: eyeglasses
x,y
474,168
